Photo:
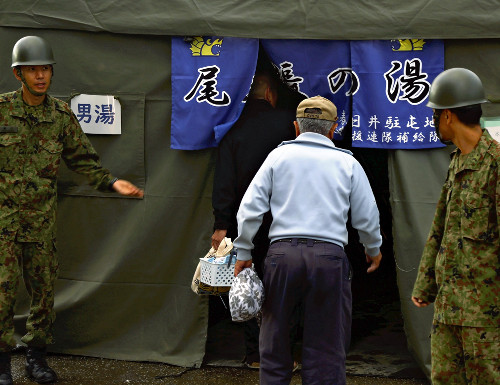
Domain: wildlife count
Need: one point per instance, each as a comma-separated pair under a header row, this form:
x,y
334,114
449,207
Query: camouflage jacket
x,y
460,268
32,142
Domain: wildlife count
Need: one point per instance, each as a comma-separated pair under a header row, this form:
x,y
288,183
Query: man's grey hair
x,y
318,126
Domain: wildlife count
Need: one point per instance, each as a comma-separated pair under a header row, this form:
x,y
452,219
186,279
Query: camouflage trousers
x,y
37,264
465,355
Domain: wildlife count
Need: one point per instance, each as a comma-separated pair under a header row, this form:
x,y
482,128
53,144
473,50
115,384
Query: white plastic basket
x,y
216,274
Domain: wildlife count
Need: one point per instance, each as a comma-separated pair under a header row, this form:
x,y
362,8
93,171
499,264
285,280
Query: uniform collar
x,y
316,139
476,156
45,114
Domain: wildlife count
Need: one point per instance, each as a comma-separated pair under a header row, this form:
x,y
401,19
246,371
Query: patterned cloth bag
x,y
246,296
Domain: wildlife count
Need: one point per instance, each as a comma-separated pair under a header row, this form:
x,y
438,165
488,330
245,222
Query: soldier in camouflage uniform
x,y
36,131
460,266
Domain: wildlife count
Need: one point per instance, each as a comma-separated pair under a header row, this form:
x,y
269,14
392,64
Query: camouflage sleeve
x,y
425,286
81,157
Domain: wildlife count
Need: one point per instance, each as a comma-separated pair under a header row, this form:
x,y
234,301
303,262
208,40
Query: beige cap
x,y
317,107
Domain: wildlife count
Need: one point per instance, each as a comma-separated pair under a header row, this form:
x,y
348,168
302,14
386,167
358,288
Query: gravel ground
x,y
77,370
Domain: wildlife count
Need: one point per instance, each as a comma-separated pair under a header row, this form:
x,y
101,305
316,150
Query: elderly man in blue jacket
x,y
310,186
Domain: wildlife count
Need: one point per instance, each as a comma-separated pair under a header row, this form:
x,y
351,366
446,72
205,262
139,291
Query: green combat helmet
x,y
32,50
456,87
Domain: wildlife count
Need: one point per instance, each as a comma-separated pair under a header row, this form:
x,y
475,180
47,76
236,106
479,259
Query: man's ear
x,y
332,131
297,131
448,116
271,96
14,70
266,93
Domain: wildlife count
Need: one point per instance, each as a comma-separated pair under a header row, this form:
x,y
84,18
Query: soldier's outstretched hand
x,y
124,187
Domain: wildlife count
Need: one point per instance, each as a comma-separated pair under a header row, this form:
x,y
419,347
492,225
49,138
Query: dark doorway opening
x,y
378,342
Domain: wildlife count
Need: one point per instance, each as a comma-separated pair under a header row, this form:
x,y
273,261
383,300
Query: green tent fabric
x,y
126,264
305,19
415,178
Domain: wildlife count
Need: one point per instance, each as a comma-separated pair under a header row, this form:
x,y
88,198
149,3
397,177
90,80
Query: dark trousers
x,y
318,276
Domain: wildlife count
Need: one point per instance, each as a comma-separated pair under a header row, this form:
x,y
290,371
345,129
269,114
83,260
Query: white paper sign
x,y
492,124
495,132
98,114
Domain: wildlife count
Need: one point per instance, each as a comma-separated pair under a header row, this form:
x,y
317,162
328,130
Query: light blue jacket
x,y
309,185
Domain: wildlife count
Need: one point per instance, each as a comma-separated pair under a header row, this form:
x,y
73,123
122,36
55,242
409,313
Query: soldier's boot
x,y
37,368
5,373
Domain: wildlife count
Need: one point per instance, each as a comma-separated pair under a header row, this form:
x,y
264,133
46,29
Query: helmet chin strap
x,y
31,90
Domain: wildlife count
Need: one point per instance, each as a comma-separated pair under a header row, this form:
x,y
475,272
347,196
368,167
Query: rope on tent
x,y
401,269
180,374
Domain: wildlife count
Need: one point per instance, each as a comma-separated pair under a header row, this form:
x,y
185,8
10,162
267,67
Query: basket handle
x,y
231,255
